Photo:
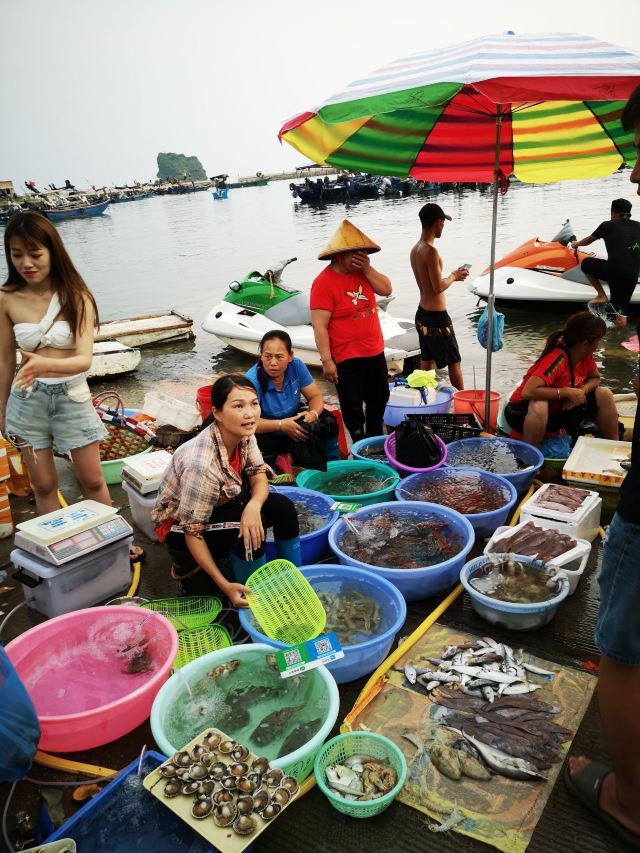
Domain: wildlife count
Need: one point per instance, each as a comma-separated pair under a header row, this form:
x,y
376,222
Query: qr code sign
x,y
323,646
292,657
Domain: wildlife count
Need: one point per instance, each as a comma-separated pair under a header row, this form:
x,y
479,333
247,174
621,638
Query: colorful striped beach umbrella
x,y
543,108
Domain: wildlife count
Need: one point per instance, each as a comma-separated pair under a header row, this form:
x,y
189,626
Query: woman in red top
x,y
562,388
347,329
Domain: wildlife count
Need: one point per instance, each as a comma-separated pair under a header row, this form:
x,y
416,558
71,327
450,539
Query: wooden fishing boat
x,y
148,329
256,182
112,359
56,214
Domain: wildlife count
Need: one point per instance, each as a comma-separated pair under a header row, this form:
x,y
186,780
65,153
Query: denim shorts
x,y
62,413
618,630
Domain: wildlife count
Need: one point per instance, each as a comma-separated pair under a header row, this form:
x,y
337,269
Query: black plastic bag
x,y
416,444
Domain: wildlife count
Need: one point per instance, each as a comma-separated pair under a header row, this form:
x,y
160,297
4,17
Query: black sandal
x,y
137,554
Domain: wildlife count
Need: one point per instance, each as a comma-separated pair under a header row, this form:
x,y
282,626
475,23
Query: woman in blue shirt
x,y
279,379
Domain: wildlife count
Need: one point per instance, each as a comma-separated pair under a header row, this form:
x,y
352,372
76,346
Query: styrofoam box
x,y
145,472
80,583
167,410
584,523
572,562
141,506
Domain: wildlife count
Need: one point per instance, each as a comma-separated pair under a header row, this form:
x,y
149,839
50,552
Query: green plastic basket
x,y
191,611
284,603
196,642
339,748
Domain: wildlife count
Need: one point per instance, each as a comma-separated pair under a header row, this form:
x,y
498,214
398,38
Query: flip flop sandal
x,y
137,554
586,785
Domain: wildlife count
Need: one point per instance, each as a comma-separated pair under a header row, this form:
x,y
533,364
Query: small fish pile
x,y
352,483
504,578
361,777
224,784
495,456
484,689
467,492
401,541
353,616
530,540
563,499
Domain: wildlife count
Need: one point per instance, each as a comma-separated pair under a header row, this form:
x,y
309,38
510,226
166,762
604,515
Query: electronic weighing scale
x,y
72,532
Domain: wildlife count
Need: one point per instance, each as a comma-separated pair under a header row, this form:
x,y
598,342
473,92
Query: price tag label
x,y
342,507
305,656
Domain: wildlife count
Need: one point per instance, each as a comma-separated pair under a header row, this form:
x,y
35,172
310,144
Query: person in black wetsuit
x,y
612,791
621,235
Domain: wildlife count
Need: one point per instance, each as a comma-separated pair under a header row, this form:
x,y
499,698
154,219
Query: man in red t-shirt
x,y
347,329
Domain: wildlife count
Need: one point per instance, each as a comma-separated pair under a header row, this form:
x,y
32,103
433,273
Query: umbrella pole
x,y
491,299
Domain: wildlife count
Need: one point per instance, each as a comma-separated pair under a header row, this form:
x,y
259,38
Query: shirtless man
x,y
438,344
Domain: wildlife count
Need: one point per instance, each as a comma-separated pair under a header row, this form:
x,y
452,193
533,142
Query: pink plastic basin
x,y
73,668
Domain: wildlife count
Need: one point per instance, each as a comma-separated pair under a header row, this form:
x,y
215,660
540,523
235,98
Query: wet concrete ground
x,y
312,824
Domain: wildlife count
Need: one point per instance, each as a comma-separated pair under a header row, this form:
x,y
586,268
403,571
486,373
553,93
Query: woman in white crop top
x,y
48,312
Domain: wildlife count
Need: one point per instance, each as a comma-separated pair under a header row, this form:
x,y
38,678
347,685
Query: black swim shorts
x,y
567,419
621,282
437,339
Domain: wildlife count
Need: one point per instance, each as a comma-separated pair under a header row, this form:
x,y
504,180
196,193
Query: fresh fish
x,y
446,760
299,736
410,673
434,675
487,673
538,670
488,694
272,726
431,685
516,689
505,765
471,767
416,741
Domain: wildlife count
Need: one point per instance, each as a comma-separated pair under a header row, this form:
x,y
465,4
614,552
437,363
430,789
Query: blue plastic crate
x,y
125,818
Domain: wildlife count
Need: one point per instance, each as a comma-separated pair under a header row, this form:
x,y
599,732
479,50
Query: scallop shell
x,y
182,759
202,808
205,788
229,783
190,788
247,786
260,765
198,751
208,759
226,747
273,777
172,788
244,824
270,811
239,769
198,771
245,804
290,783
183,774
169,770
222,796
260,800
240,753
212,740
280,796
218,771
225,814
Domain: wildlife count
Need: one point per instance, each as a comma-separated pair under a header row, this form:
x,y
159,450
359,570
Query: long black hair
x,y
580,327
272,335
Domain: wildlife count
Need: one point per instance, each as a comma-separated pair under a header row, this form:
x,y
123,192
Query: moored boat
x,y
111,359
147,329
56,214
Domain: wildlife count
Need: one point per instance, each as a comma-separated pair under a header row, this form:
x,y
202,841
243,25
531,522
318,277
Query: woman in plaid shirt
x,y
214,502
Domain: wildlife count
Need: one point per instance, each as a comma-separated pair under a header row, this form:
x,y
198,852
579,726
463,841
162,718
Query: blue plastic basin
x,y
413,583
361,658
514,617
526,452
312,545
393,415
376,441
483,523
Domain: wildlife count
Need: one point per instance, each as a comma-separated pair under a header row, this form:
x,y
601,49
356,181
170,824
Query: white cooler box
x,y
141,506
54,590
583,523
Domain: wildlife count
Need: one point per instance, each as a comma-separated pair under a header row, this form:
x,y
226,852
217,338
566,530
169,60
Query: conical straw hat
x,y
346,239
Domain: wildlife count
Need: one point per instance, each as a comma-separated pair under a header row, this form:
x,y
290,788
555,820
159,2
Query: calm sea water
x,y
183,251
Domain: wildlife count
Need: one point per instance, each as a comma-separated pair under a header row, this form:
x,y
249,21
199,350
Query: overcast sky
x,y
92,90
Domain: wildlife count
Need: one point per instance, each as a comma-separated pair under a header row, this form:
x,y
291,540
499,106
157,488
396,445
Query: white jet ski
x,y
261,302
541,272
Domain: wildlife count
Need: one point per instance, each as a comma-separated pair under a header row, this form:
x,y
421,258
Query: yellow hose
x,y
61,499
57,763
135,580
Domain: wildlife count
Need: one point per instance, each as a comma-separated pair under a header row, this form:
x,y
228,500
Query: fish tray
x,y
597,461
572,562
223,839
451,427
582,523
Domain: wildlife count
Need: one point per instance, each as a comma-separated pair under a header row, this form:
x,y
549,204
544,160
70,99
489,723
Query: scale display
x,y
65,522
78,544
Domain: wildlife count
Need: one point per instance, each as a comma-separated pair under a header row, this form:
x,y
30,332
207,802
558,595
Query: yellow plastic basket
x,y
191,611
196,642
284,603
